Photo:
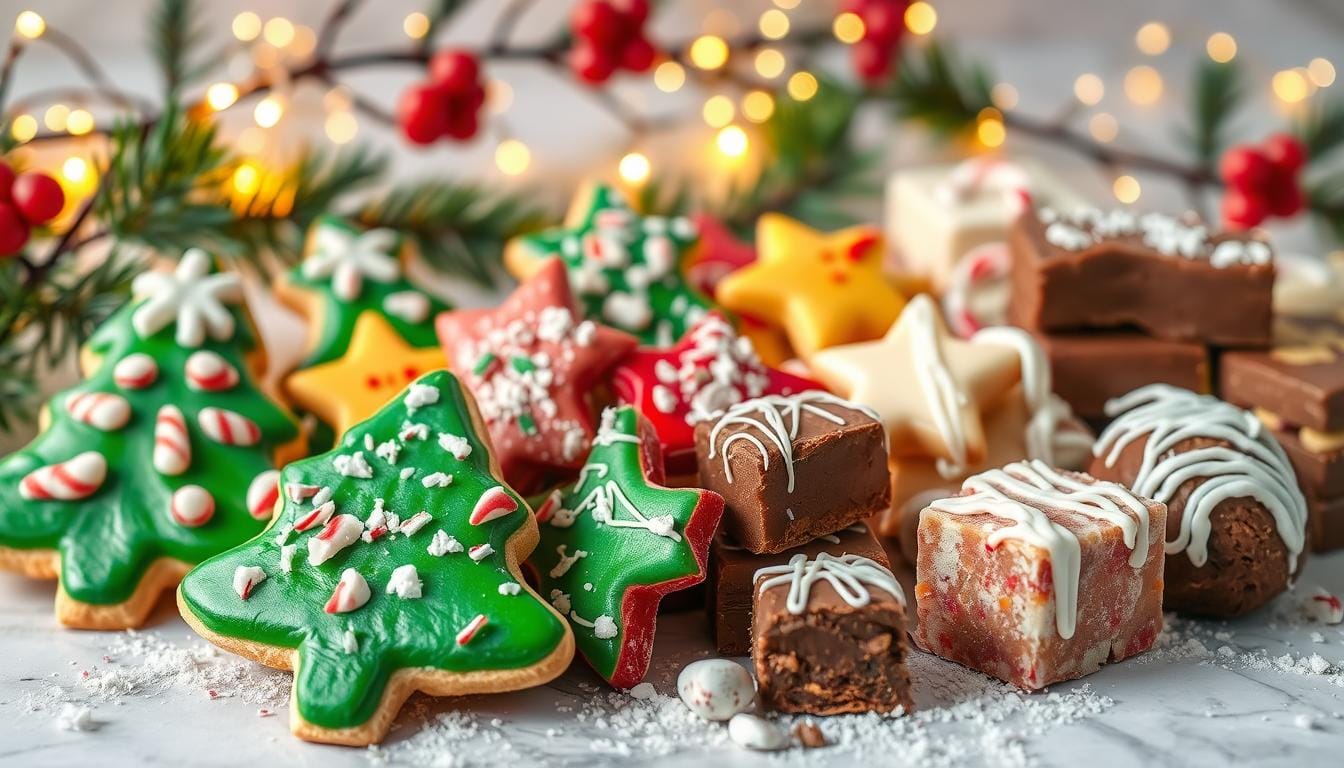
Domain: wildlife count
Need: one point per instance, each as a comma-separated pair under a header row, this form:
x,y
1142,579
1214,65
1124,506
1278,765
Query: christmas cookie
x,y
160,458
823,289
720,254
625,268
531,365
392,567
614,543
710,370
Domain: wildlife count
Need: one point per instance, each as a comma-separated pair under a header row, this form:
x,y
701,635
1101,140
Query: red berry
x,y
593,65
1285,151
13,230
6,181
638,55
455,71
883,21
1242,209
872,59
474,98
1283,195
596,21
635,11
38,197
422,113
1245,168
463,126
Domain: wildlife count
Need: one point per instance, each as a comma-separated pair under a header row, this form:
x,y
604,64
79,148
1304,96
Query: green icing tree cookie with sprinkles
x,y
614,543
392,567
626,269
162,456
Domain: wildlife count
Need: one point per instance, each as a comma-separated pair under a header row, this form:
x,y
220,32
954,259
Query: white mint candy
x,y
755,732
103,411
716,689
208,372
411,306
135,371
192,506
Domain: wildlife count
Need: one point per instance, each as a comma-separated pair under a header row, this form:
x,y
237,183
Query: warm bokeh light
x,y
55,116
1290,86
1103,127
221,95
304,42
415,25
669,76
634,168
1143,85
1004,95
770,63
920,18
1321,72
75,170
341,127
1126,189
758,106
23,127
989,128
268,112
246,179
787,5
1153,38
802,86
718,111
278,31
246,26
848,27
512,157
1221,47
337,99
709,52
732,141
79,122
30,24
1089,89
774,24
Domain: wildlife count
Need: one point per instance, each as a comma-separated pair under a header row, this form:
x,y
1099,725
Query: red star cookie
x,y
720,252
708,371
530,363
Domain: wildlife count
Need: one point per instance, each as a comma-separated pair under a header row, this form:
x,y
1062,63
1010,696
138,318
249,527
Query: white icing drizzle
x,y
774,411
603,501
850,575
936,383
1255,467
1021,491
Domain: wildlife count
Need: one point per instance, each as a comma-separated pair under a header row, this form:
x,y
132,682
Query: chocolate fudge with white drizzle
x,y
1035,575
1236,522
1171,277
792,468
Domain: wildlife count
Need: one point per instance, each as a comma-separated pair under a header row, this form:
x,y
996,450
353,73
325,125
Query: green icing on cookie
x,y
626,269
344,271
345,659
108,538
615,542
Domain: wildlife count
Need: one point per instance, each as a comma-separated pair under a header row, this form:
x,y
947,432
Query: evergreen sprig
x,y
178,35
937,88
1218,92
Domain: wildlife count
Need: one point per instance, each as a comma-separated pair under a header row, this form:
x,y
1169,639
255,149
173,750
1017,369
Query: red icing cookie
x,y
709,370
530,363
720,252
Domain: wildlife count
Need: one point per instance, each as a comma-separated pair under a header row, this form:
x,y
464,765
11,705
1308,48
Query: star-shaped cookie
x,y
822,288
614,543
625,268
376,365
929,387
719,254
532,364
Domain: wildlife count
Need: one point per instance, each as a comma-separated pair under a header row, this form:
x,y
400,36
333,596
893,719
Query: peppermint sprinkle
x,y
246,578
481,551
456,445
604,628
298,492
349,643
415,522
388,451
287,557
368,442
471,629
419,396
443,544
437,480
510,588
407,473
322,496
411,431
353,465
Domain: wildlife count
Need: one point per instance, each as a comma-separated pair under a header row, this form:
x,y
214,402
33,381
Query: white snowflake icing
x,y
191,297
349,257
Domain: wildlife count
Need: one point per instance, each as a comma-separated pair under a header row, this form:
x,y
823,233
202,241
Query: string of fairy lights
x,y
268,47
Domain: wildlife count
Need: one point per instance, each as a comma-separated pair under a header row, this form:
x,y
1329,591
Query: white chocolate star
x,y
349,257
191,297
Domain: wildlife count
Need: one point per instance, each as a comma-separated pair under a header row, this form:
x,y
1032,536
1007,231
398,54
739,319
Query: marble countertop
x,y
1264,690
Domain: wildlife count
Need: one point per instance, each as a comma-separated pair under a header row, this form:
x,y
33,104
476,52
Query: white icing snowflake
x,y
191,297
349,257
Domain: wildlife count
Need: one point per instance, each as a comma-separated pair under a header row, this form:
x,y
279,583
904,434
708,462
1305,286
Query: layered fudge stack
x,y
1119,299
796,579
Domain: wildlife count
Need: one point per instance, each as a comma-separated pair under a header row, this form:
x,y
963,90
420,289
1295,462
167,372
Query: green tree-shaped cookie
x,y
392,567
616,541
160,458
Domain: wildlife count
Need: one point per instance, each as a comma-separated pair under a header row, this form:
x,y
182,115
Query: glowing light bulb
x,y
989,128
23,128
246,26
732,141
268,112
848,28
1153,38
1004,95
79,122
669,76
634,168
1321,72
770,63
1290,86
415,25
718,111
920,18
278,31
75,170
1143,85
30,24
55,116
341,127
1126,189
802,86
512,157
1221,47
1103,127
221,95
1089,89
709,52
758,106
774,24
246,179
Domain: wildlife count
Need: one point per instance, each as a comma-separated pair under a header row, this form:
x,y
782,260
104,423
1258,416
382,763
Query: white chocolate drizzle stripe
x,y
850,575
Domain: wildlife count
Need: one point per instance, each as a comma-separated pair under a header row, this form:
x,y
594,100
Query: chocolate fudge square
x,y
732,576
1170,277
793,468
1300,380
828,637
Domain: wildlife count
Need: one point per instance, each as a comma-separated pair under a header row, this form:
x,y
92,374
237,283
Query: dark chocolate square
x,y
1300,380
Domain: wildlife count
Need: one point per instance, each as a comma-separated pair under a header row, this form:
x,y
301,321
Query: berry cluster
x,y
609,35
448,104
1262,181
26,201
883,25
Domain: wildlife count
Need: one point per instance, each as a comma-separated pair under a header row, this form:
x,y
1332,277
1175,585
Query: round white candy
x,y
716,689
755,732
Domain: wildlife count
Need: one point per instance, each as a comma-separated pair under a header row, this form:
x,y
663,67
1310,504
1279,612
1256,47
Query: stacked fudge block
x,y
796,579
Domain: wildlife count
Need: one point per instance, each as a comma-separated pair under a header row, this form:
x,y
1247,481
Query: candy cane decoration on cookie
x,y
135,371
985,263
172,445
262,494
986,174
192,506
471,629
209,372
494,503
101,410
77,478
246,578
228,427
350,594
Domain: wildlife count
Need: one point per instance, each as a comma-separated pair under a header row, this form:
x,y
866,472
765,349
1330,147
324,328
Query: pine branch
x,y
177,37
1322,130
1217,94
934,87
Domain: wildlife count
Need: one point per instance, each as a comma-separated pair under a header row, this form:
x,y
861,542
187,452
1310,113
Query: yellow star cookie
x,y
376,366
822,288
929,387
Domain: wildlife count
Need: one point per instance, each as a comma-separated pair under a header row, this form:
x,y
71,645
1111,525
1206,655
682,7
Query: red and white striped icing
x,y
172,444
228,427
262,494
207,371
192,506
135,371
494,503
101,410
76,478
473,626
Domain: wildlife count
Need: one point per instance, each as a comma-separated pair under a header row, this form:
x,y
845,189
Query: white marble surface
x,y
1181,705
